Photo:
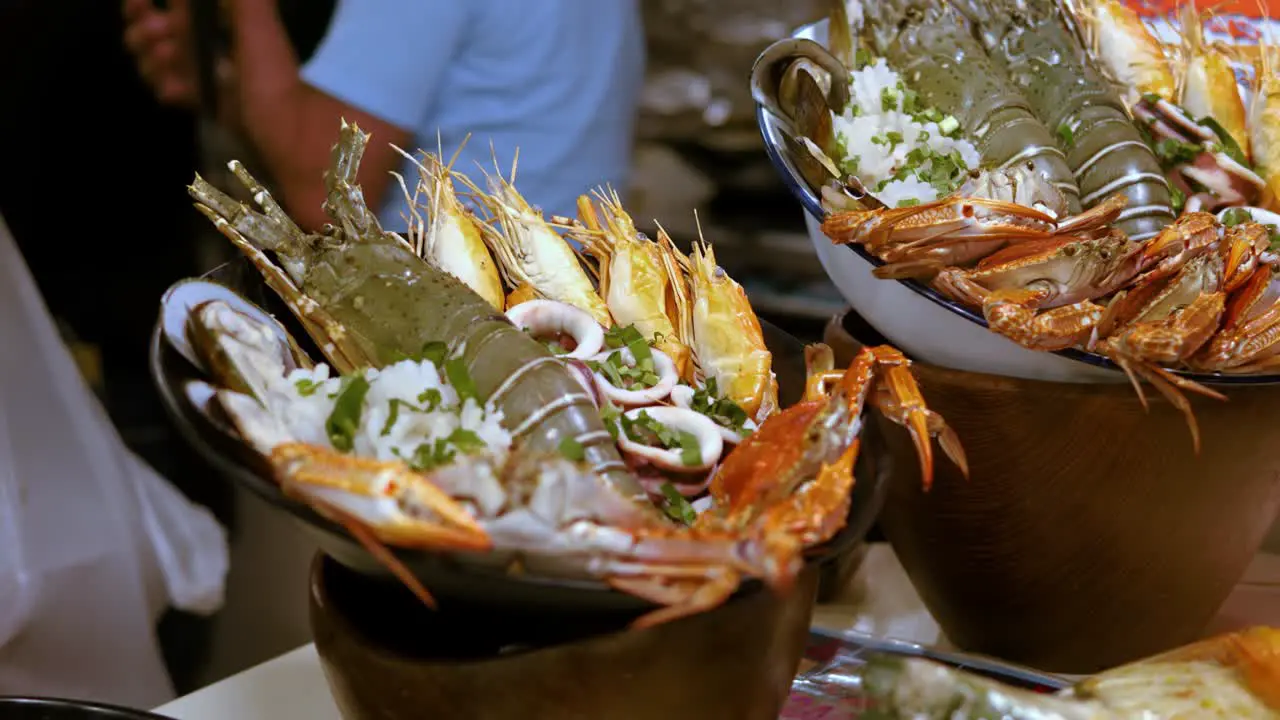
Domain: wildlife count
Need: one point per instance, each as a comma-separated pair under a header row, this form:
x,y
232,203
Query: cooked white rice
x,y
408,406
903,153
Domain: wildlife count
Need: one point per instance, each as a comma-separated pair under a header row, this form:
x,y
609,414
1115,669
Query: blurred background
x,y
94,193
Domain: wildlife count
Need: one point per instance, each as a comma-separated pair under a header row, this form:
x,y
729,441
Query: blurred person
x,y
559,80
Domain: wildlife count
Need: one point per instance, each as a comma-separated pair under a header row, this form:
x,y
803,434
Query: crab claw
x,y
1192,232
897,397
398,505
900,400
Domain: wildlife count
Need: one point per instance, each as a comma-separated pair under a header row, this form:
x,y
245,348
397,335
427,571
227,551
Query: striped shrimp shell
x,y
929,44
1031,41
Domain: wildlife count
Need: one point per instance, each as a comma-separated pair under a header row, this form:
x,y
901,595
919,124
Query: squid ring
x,y
550,317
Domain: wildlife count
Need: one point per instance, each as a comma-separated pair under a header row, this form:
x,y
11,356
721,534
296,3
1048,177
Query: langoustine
x,y
1030,41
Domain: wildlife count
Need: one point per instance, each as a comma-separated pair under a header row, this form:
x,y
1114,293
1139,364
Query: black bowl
x,y
475,578
772,134
34,708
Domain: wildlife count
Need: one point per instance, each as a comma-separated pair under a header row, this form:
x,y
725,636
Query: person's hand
x,y
160,41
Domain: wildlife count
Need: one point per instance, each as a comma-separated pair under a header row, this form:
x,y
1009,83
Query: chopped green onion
x,y
909,100
722,410
1175,152
572,449
1229,144
612,417
431,398
429,456
466,440
644,429
434,351
1066,135
455,369
677,507
1236,216
888,99
392,416
344,419
307,387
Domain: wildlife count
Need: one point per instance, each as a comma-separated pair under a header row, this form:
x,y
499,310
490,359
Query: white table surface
x,y
879,600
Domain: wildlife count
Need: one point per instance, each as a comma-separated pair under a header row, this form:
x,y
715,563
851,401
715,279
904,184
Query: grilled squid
x,y
560,324
671,438
622,382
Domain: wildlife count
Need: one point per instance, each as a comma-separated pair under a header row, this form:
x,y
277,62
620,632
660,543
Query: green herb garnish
x,y
442,451
466,441
572,449
429,456
1236,216
1177,199
932,115
723,411
611,416
344,419
910,101
1066,135
888,99
908,202
644,429
306,387
431,398
861,58
1229,144
392,415
676,506
1175,152
434,351
630,338
455,369
621,375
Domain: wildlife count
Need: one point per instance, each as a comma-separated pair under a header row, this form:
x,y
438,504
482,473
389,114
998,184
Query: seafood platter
x,y
1079,182
1230,676
498,413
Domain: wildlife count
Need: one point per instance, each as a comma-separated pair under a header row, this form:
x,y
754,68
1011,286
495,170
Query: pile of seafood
x,y
1230,676
484,395
665,343
1054,166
